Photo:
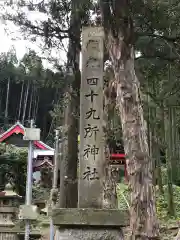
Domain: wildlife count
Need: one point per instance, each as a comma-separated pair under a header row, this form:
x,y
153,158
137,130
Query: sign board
x,y
31,134
28,212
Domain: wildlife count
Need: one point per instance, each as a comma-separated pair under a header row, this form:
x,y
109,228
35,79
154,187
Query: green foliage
x,y
161,204
164,175
123,194
8,68
13,162
28,76
40,193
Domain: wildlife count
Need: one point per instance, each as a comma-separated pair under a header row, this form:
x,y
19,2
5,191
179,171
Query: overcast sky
x,y
22,46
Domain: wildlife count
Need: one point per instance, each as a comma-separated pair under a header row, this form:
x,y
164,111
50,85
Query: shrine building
x,y
42,154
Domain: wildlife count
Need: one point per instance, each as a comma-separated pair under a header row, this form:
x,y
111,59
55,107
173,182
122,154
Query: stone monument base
x,y
89,224
89,234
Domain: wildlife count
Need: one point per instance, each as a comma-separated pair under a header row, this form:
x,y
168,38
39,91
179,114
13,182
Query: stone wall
x,y
8,236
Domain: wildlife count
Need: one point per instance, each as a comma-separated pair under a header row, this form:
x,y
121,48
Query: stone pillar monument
x,y
89,221
91,120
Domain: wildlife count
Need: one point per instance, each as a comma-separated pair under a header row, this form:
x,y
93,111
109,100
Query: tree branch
x,y
157,57
154,35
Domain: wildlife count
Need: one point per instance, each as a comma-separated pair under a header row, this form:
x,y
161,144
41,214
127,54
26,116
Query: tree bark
x,y
30,103
1,96
152,143
36,105
20,101
155,151
173,143
143,220
178,235
64,161
70,158
158,166
119,35
7,103
168,137
25,102
110,195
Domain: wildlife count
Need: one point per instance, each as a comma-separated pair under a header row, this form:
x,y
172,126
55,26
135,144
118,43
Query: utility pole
x,y
55,179
29,183
27,211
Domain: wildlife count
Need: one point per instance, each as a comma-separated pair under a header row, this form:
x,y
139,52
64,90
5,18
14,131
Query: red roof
x,y
18,128
40,164
118,156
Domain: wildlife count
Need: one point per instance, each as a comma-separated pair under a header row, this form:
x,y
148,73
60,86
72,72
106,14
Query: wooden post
x,y
91,117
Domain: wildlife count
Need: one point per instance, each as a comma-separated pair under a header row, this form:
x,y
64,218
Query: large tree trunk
x,y
110,195
36,105
173,143
168,137
143,220
7,103
152,142
178,235
20,101
1,97
119,35
25,102
68,180
30,103
155,150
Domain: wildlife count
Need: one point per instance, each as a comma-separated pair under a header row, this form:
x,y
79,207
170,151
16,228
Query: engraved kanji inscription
x,y
91,130
92,45
93,48
92,114
91,150
91,95
91,174
93,62
92,81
